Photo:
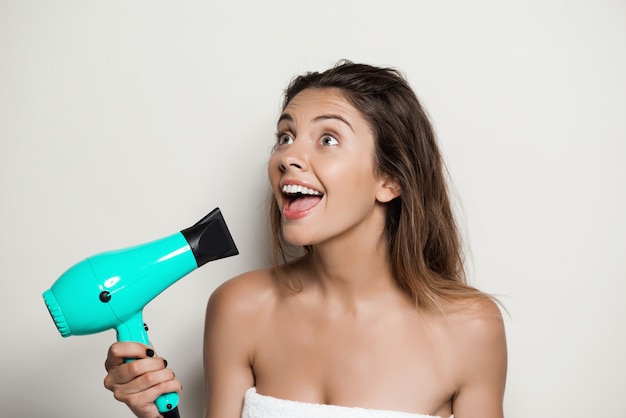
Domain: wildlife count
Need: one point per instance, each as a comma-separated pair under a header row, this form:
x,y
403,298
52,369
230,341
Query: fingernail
x,y
150,352
165,362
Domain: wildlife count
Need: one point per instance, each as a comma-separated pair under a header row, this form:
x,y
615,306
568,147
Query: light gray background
x,y
125,121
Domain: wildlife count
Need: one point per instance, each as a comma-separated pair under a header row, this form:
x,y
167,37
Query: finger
x,y
146,388
136,369
142,403
120,351
156,383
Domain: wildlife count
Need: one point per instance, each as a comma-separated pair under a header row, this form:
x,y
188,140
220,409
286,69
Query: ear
x,y
388,190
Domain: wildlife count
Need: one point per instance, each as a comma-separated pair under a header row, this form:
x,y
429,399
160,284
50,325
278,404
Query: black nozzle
x,y
210,239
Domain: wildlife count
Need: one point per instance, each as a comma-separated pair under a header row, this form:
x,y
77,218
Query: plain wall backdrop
x,y
125,121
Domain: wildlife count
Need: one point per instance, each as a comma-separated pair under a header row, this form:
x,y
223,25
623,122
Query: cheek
x,y
351,180
273,172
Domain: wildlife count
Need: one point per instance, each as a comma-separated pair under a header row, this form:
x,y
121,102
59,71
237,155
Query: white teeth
x,y
294,188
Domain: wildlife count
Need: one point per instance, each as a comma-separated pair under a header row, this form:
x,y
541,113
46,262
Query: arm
x,y
482,361
228,348
139,382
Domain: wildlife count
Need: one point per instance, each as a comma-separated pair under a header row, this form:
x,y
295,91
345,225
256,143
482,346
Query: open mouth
x,y
299,200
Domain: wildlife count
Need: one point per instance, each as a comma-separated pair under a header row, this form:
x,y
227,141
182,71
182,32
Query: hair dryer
x,y
110,290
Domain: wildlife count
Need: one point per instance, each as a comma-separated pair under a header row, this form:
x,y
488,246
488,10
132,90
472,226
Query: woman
x,y
375,318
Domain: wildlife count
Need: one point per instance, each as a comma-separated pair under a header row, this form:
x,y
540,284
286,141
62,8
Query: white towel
x,y
262,406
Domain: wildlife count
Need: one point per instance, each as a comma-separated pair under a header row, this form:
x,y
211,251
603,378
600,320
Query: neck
x,y
351,270
355,265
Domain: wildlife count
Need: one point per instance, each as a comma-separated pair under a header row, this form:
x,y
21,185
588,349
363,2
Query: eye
x,y
283,139
329,140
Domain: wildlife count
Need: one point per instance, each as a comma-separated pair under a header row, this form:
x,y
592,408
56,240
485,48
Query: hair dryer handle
x,y
135,330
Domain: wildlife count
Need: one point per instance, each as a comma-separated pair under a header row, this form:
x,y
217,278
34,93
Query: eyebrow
x,y
288,118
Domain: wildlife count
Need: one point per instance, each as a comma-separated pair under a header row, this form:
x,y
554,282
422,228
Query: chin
x,y
298,241
297,238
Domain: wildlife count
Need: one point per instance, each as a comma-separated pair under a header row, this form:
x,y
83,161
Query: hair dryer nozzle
x,y
210,239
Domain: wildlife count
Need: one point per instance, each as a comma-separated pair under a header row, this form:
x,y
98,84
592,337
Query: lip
x,y
292,215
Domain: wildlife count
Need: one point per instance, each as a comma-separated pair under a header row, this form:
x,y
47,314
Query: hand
x,y
138,383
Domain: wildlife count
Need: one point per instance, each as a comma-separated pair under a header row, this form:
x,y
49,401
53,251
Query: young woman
x,y
374,318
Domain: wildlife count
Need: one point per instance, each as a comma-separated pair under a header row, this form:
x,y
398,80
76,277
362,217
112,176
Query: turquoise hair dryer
x,y
109,290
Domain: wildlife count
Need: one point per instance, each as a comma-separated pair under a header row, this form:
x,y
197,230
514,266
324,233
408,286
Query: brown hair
x,y
424,244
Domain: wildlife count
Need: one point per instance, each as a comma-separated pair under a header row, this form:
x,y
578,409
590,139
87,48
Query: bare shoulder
x,y
477,308
476,351
236,315
245,296
476,324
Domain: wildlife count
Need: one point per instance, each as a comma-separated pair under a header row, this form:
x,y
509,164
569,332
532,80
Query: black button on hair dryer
x,y
110,290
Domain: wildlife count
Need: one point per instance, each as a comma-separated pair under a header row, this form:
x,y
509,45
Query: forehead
x,y
313,102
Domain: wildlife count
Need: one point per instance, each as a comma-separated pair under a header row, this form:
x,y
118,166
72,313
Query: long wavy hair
x,y
424,244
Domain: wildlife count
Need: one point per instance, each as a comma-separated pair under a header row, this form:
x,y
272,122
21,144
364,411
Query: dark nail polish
x,y
150,352
165,362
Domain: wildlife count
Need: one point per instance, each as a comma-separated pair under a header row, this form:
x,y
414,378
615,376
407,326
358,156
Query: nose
x,y
286,164
292,158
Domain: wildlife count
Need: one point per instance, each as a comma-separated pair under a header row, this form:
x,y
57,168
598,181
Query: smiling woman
x,y
324,144
374,318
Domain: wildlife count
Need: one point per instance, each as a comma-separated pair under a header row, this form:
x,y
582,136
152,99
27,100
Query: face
x,y
322,170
